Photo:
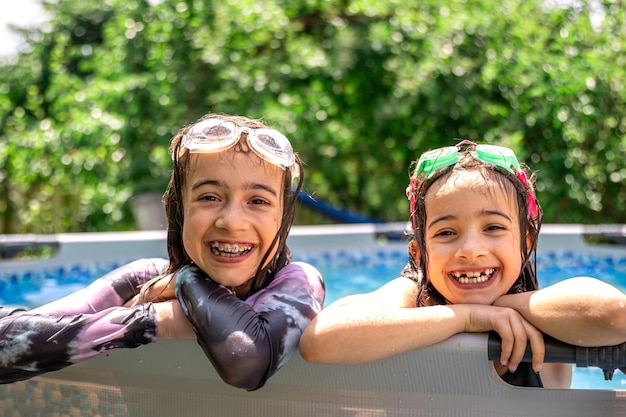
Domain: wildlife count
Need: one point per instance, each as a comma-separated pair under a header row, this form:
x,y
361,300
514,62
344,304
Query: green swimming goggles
x,y
217,135
432,161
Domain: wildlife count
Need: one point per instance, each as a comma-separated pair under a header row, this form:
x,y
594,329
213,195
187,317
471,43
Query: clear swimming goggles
x,y
431,161
216,135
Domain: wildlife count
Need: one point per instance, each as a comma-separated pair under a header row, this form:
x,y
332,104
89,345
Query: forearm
x,y
580,311
247,341
363,332
230,333
112,290
33,344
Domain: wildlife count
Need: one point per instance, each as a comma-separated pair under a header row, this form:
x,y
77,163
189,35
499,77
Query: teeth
x,y
473,277
228,250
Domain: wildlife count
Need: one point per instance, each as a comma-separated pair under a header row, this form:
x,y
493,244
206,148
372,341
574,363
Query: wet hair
x,y
527,280
173,199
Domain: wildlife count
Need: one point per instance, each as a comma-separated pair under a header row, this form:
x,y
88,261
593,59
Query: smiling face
x,y
233,205
472,238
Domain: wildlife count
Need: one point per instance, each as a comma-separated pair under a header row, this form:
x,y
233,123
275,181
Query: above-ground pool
x,y
347,273
352,259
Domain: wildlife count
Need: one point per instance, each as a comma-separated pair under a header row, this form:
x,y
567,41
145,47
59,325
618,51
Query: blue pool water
x,y
345,273
348,273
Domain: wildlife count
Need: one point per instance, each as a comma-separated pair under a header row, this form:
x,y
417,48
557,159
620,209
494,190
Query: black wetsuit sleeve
x,y
248,341
32,344
79,326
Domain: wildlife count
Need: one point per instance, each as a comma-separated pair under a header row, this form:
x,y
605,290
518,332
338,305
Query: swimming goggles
x,y
504,158
432,161
217,135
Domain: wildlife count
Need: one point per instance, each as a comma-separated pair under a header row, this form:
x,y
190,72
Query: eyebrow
x,y
482,213
222,184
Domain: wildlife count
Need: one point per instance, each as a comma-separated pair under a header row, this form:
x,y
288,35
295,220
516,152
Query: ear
x,y
529,243
414,250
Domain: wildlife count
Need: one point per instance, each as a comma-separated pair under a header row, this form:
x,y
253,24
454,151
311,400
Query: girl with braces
x,y
228,282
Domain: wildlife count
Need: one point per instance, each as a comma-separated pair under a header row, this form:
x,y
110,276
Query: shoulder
x,y
400,292
149,264
298,271
297,282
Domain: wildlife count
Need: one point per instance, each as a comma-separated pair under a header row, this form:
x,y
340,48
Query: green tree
x,y
361,87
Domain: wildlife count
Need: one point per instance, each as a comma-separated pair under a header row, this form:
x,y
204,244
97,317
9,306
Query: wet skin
x,y
472,238
233,206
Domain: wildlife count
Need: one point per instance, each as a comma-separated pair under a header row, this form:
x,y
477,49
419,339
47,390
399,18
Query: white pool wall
x,y
452,378
120,246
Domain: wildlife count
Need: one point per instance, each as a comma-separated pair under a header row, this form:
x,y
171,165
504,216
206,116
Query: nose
x,y
232,217
471,246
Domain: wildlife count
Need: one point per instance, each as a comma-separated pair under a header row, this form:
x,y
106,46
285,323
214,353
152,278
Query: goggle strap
x,y
466,142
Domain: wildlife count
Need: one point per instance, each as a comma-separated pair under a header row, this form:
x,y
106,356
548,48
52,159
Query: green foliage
x,y
361,87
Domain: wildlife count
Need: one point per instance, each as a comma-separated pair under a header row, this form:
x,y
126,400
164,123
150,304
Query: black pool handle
x,y
607,358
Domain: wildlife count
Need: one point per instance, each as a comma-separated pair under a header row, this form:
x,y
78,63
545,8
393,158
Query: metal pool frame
x,y
452,378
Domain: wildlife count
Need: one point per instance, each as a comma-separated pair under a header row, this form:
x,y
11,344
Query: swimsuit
x,y
524,376
263,330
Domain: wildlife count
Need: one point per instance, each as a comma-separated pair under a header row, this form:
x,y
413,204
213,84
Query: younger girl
x,y
475,223
229,281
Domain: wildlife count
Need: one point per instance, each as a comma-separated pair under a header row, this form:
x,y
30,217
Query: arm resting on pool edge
x,y
248,341
581,311
110,290
79,326
33,344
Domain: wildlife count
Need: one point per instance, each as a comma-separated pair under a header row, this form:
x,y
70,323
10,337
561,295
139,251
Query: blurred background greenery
x,y
361,88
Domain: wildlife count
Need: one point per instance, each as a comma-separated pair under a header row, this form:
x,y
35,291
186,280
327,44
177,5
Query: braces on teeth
x,y
227,249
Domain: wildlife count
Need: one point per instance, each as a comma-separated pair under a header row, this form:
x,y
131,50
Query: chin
x,y
485,301
476,300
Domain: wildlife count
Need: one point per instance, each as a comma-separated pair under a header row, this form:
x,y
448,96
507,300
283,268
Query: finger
x,y
520,342
508,341
537,347
132,302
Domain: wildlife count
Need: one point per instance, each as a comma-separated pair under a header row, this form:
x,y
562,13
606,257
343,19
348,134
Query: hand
x,y
172,322
515,331
155,291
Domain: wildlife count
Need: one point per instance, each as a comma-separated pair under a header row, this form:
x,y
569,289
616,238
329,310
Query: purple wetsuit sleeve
x,y
32,344
112,290
248,341
79,326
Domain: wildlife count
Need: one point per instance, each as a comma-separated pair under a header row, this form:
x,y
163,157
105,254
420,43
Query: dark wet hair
x,y
174,206
527,280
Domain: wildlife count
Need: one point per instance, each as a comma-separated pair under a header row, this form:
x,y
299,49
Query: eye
x,y
208,197
259,201
495,227
444,233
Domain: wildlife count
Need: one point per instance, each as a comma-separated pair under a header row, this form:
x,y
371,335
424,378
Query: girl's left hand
x,y
162,289
172,322
514,330
516,333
